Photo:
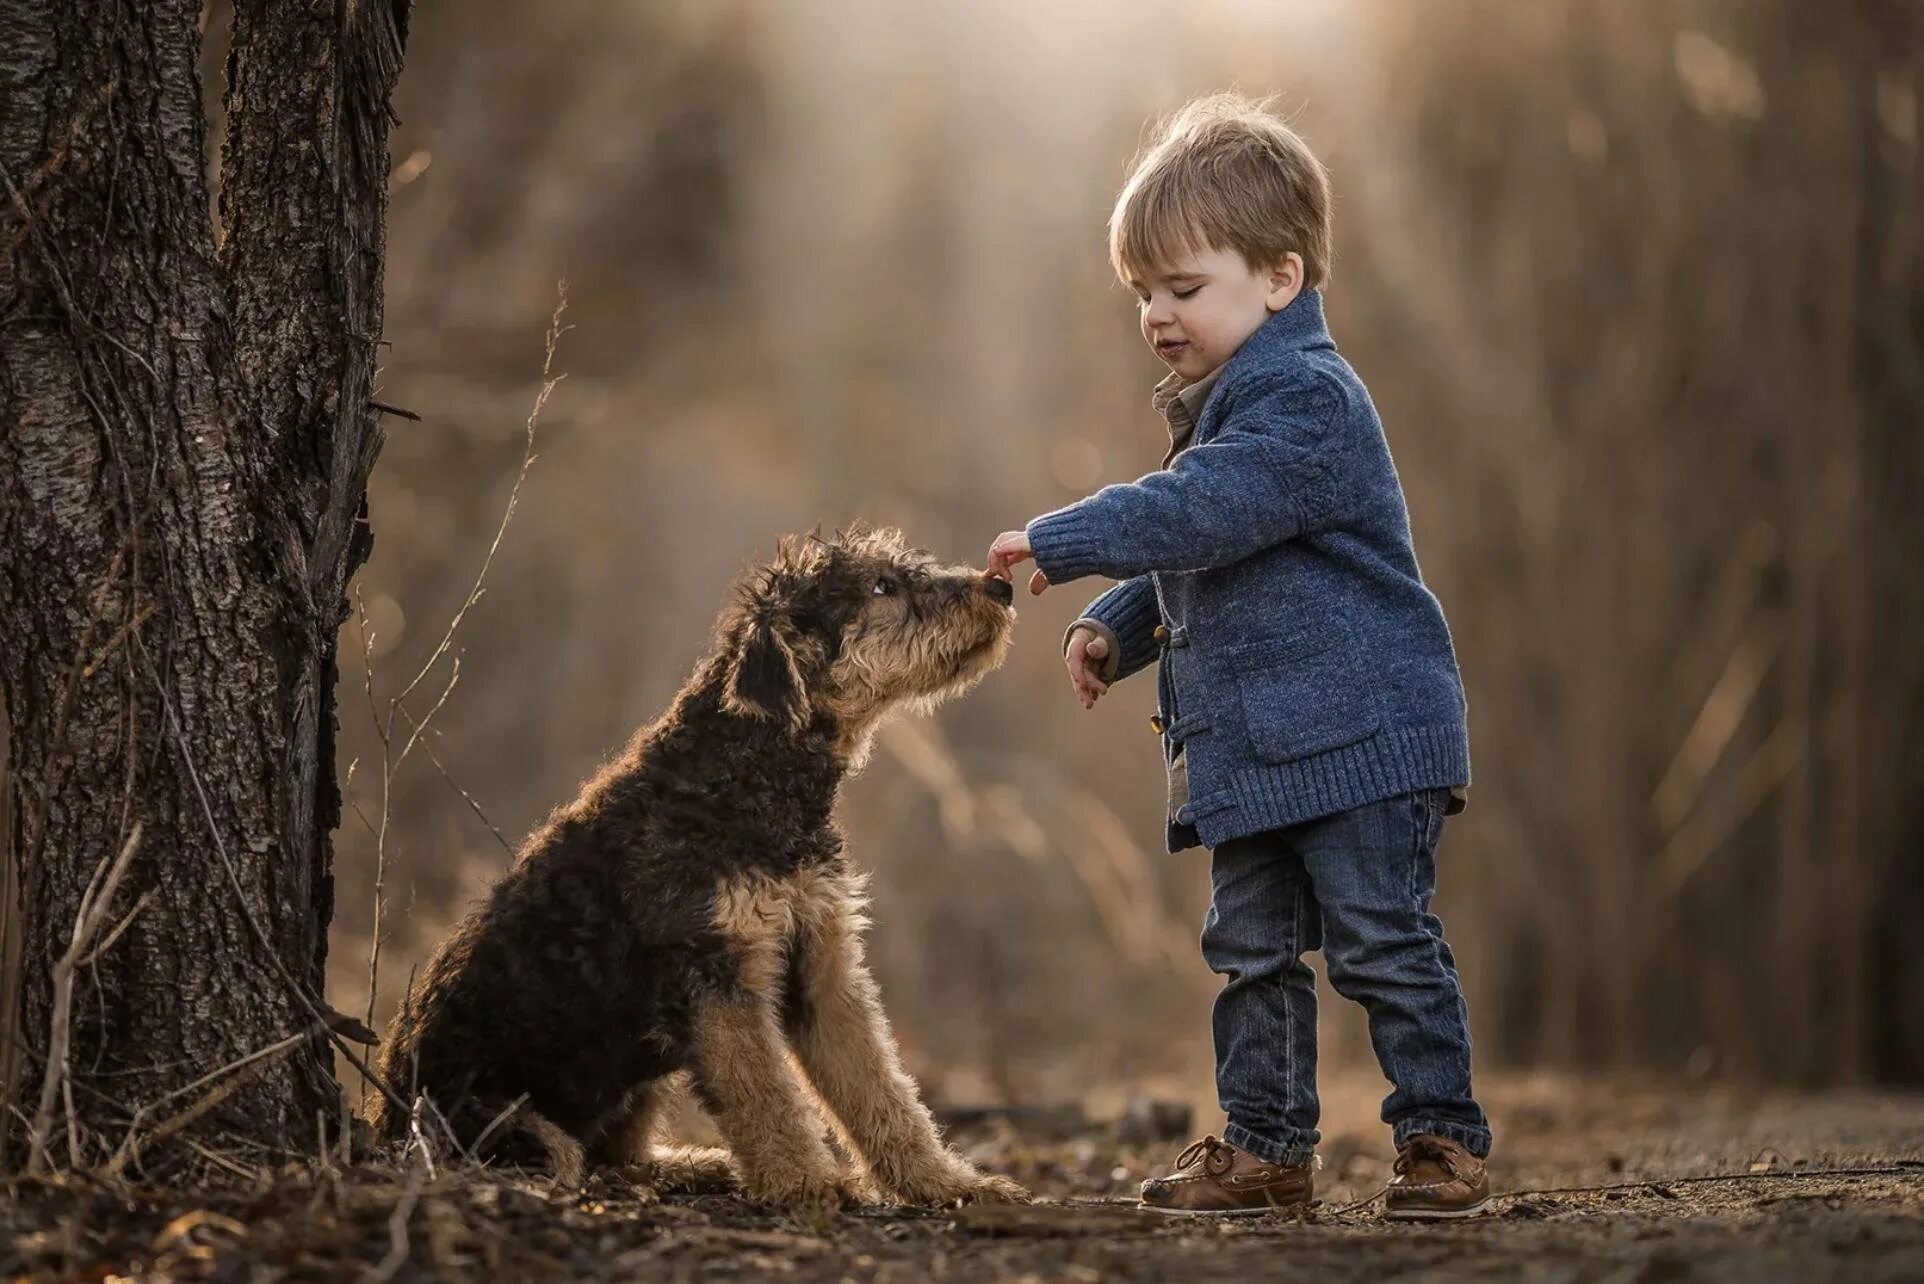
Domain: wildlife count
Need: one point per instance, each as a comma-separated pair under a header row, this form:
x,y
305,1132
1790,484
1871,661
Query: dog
x,y
692,915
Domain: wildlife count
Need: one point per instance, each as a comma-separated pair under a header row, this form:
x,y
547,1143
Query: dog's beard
x,y
970,665
941,675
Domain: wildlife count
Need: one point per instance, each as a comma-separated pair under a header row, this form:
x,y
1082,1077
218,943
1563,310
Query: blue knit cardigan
x,y
1305,668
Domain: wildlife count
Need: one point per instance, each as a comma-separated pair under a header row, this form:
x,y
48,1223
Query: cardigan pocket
x,y
1303,693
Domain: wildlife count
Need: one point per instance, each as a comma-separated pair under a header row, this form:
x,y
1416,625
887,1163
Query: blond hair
x,y
1223,174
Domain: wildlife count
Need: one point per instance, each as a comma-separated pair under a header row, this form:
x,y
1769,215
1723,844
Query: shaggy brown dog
x,y
692,916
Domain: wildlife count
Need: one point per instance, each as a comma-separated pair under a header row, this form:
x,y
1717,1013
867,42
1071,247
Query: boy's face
x,y
1197,310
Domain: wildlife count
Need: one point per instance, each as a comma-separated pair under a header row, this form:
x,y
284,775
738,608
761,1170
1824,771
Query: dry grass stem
x,y
384,723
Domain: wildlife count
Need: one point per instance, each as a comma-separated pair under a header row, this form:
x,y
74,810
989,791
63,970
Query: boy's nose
x,y
998,588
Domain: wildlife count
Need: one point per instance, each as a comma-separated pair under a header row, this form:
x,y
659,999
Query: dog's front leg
x,y
842,1038
743,1078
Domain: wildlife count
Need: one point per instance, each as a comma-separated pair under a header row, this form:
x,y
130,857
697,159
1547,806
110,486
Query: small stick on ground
x,y
417,1140
397,1227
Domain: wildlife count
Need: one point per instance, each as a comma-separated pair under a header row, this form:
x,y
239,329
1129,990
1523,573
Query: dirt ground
x,y
1599,1184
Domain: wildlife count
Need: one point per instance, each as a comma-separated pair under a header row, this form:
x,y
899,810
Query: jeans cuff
x,y
1475,1140
1288,1154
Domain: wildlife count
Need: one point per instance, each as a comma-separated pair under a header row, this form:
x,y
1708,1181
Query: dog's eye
x,y
884,587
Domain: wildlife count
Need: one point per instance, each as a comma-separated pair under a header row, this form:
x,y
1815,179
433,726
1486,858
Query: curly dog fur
x,y
691,916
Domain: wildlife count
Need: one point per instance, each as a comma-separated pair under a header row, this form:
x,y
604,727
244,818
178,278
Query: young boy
x,y
1310,708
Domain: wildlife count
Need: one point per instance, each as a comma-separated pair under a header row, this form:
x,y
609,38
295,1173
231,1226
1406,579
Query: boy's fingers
x,y
1097,647
1006,551
1038,582
1089,686
1079,680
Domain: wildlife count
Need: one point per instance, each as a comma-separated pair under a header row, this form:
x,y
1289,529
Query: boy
x,y
1310,708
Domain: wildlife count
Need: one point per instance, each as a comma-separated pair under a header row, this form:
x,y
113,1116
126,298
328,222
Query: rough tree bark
x,y
185,437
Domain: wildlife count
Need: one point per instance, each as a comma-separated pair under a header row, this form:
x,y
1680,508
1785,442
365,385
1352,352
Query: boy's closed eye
x,y
1181,287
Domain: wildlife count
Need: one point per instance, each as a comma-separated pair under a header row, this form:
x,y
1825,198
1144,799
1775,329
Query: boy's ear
x,y
763,680
1286,281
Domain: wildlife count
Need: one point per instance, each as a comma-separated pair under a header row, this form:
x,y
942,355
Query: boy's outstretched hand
x,y
1009,548
1087,650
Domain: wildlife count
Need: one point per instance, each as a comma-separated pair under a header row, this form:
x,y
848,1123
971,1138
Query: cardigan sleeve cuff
x,y
1107,666
1131,613
1066,544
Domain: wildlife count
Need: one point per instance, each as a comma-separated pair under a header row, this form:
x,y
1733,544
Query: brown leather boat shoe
x,y
1436,1179
1215,1179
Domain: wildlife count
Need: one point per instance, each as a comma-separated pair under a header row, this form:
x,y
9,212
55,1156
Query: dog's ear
x,y
763,678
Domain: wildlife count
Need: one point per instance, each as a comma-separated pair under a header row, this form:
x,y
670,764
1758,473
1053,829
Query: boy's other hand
x,y
1087,650
1009,548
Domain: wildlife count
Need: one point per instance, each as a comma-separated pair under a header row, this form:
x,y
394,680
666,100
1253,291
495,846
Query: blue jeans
x,y
1356,885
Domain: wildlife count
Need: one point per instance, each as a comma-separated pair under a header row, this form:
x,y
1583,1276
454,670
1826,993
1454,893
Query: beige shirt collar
x,y
1181,403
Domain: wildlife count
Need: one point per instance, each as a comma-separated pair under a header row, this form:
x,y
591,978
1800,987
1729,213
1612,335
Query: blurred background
x,y
1638,290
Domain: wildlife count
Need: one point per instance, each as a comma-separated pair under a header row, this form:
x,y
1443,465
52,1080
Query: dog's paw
x,y
693,1170
959,1183
991,1189
632,1182
798,1189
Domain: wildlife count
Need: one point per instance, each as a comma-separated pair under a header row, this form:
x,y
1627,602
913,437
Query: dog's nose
x,y
998,588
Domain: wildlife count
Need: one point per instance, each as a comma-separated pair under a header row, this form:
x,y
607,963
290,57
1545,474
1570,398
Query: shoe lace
x,y
1421,1148
1208,1146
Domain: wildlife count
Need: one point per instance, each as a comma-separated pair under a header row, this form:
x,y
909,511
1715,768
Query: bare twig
x,y
447,1129
399,412
467,797
129,1148
417,1140
112,644
94,904
507,1112
228,1162
384,726
1705,1179
384,731
549,381
146,898
417,728
397,1224
73,1118
1662,1184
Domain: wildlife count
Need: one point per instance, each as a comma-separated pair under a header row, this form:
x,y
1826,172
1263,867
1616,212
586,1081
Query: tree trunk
x,y
185,439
